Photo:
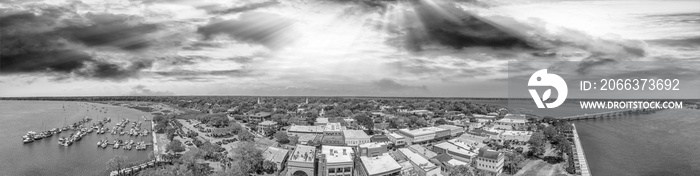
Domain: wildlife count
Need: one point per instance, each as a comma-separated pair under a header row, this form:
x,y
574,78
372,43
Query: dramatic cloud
x,y
230,73
111,30
36,43
217,9
271,30
437,22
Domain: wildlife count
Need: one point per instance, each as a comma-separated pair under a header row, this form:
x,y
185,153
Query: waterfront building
x,y
302,161
336,161
355,137
277,156
381,165
421,165
490,161
333,135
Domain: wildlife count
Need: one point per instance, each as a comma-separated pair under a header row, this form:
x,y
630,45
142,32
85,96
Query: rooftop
x,y
261,114
355,134
488,153
337,154
450,127
303,153
275,154
457,149
517,133
333,127
514,118
307,129
372,145
396,135
481,116
321,120
455,162
267,122
417,159
482,132
308,137
421,131
422,150
380,164
379,138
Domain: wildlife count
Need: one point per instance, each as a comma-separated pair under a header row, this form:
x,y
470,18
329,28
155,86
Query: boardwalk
x,y
579,156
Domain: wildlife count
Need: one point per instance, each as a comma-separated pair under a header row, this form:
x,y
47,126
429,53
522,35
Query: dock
x,y
579,156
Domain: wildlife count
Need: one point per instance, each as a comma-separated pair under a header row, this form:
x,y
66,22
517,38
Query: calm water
x,y
665,143
45,156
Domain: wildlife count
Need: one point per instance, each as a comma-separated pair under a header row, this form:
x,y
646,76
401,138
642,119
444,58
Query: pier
x,y
610,114
157,161
579,156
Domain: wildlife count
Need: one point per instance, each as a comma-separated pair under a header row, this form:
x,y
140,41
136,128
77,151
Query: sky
x,y
333,48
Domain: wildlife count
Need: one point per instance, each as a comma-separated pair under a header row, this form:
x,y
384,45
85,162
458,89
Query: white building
x,y
355,137
336,161
490,161
382,165
397,139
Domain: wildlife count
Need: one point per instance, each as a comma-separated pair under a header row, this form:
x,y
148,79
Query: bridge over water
x,y
610,114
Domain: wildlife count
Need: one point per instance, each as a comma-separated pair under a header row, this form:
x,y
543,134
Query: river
x,y
45,156
665,143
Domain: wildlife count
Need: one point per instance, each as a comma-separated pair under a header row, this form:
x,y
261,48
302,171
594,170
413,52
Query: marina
x,y
78,131
47,155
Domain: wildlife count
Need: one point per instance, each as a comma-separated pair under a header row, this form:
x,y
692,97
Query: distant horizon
x,y
342,96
